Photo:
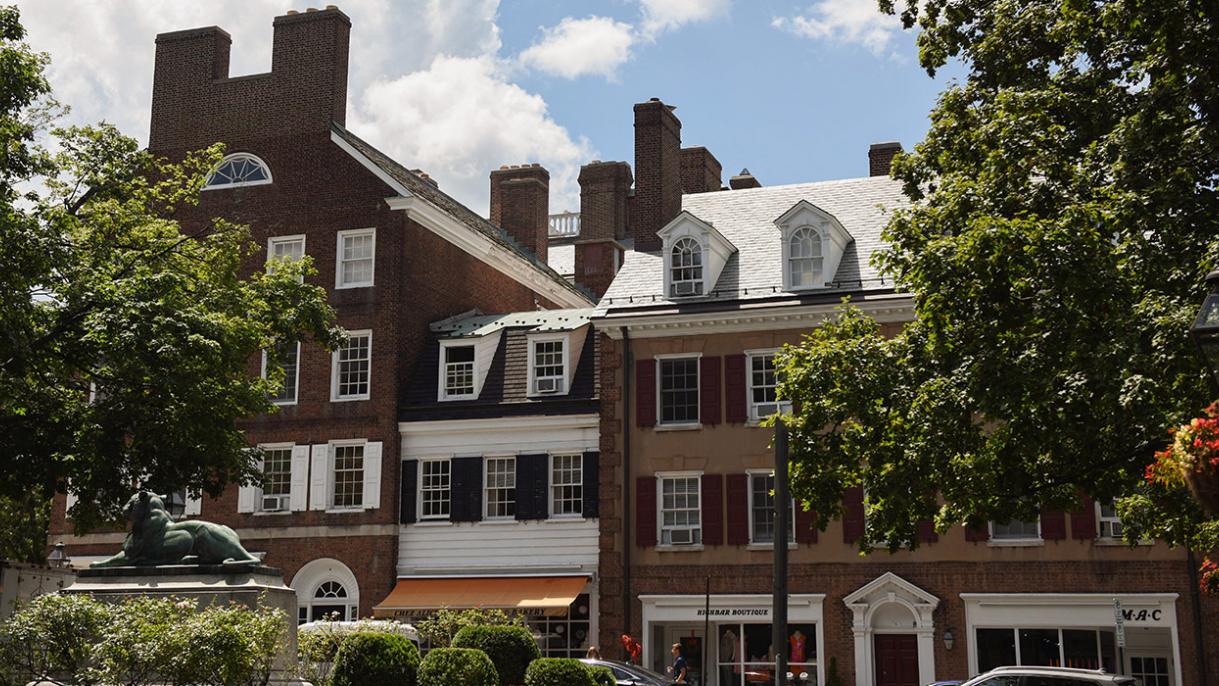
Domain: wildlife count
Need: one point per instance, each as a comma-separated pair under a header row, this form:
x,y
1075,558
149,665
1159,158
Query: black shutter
x,y
592,485
467,494
531,482
410,489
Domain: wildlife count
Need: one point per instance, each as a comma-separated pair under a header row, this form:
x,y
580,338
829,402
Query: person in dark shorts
x,y
679,670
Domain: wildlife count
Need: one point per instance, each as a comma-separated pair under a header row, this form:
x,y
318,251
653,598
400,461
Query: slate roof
x,y
424,189
746,218
478,324
562,258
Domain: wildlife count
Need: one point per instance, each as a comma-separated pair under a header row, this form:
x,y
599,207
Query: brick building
x,y
717,281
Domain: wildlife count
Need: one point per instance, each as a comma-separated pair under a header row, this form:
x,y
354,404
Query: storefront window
x,y
565,636
996,647
1081,648
1039,647
745,655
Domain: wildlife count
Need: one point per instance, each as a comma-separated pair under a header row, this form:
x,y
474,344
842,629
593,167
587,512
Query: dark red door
x,y
896,660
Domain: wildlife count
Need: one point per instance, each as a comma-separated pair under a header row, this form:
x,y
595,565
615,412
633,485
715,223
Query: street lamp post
x,y
779,608
1205,330
175,503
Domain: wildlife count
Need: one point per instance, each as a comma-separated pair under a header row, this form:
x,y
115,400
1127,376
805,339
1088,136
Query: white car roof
x,y
1096,675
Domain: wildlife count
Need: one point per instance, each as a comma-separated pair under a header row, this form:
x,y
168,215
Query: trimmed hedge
x,y
603,676
456,667
511,649
559,671
371,658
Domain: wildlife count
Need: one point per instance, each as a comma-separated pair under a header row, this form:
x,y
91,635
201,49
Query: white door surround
x,y
891,605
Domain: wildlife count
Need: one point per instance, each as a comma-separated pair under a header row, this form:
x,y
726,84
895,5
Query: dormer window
x,y
547,365
814,242
686,265
236,170
805,260
458,371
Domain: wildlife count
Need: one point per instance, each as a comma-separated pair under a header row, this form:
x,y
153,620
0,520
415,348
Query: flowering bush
x,y
1192,460
1209,577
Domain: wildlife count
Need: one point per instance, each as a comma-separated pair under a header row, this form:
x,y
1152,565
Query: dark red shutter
x,y
737,486
926,532
1083,520
713,509
709,390
735,410
806,525
645,392
978,534
1053,525
852,514
645,511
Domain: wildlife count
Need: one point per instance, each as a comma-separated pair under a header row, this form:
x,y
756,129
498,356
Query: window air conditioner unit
x,y
685,288
549,384
274,503
681,537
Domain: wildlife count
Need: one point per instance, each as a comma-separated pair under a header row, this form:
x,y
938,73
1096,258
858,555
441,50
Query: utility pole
x,y
779,610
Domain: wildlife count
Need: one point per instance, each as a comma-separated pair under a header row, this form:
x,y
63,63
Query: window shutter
x,y
645,392
408,506
467,489
735,408
299,489
592,485
712,488
69,500
247,495
319,477
645,511
805,525
926,532
372,475
1053,525
194,506
709,390
1083,520
532,486
737,526
852,514
979,533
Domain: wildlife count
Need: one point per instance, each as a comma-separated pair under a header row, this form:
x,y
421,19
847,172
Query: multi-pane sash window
x,y
291,248
1015,531
276,479
458,371
1110,524
567,485
291,358
548,372
804,258
353,366
679,390
348,490
356,253
434,485
762,510
680,514
686,268
501,487
763,398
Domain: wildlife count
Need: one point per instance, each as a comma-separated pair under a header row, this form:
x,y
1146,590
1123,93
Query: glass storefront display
x,y
1081,648
746,656
566,635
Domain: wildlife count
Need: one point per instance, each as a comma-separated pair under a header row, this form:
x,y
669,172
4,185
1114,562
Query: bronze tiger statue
x,y
156,539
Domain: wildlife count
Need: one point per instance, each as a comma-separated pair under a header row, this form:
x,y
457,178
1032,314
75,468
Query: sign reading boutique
x,y
735,612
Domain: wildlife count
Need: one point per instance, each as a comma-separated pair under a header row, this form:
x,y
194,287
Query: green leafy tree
x,y
126,340
53,638
1063,216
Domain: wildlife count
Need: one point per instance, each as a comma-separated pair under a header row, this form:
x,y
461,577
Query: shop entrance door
x,y
690,638
896,660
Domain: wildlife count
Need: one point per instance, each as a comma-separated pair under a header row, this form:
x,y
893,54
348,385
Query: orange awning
x,y
537,594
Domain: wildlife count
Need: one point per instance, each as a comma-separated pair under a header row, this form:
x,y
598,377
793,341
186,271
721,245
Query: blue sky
x,y
795,91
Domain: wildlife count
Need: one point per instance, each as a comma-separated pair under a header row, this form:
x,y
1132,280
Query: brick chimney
x,y
700,171
880,157
195,102
520,204
744,180
604,189
657,197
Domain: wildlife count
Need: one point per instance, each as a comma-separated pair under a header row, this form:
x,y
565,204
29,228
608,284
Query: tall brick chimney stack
x,y
604,187
657,172
700,171
880,157
520,204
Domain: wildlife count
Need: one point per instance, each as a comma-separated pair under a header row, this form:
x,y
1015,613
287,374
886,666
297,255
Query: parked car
x,y
627,674
1049,676
950,682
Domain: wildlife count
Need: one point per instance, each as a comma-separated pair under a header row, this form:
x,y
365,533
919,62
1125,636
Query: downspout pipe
x,y
1195,595
628,366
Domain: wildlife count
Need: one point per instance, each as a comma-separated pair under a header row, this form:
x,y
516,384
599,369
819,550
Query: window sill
x,y
679,548
343,510
351,399
1016,543
501,521
767,546
564,519
452,398
1119,543
276,513
349,286
433,522
686,426
284,403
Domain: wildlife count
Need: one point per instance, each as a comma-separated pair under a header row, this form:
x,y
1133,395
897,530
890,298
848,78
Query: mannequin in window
x,y
728,658
797,641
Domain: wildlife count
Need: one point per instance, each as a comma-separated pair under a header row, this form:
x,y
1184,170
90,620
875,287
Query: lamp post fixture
x,y
175,503
782,525
59,557
1205,330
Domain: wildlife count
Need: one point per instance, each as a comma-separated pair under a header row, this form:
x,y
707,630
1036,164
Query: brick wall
x,y
700,171
520,204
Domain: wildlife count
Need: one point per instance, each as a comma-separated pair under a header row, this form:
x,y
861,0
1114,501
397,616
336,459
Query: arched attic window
x,y
686,268
236,170
805,258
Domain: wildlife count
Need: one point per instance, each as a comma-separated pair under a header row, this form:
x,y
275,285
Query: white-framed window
x,y
347,476
1108,523
500,487
291,366
356,258
762,509
805,261
276,492
457,381
547,365
677,390
763,385
679,502
435,484
566,485
1016,530
1078,647
280,248
685,268
236,170
352,368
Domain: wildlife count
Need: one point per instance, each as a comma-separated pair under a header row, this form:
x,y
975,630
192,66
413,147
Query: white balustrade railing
x,y
564,225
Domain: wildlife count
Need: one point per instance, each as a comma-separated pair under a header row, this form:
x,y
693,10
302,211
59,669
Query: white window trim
x,y
338,259
785,406
486,516
1110,540
660,477
791,525
678,426
1014,542
787,234
668,266
334,371
551,514
330,480
290,447
565,339
242,184
433,519
441,392
272,240
296,382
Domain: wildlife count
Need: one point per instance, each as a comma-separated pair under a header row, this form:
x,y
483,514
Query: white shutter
x,y
319,477
194,506
246,496
372,475
300,478
69,501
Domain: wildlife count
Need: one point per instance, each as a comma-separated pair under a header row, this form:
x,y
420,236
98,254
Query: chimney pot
x,y
880,157
311,9
744,180
292,13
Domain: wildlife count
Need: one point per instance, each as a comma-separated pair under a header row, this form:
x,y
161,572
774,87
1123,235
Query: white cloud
x,y
578,47
852,22
664,15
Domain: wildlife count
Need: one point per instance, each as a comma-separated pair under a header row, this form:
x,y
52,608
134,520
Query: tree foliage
x,y
438,629
1064,214
511,648
375,658
457,667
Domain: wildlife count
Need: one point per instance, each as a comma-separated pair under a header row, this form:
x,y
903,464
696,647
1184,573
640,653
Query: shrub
x,y
558,671
369,658
457,667
603,676
511,649
317,643
440,628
